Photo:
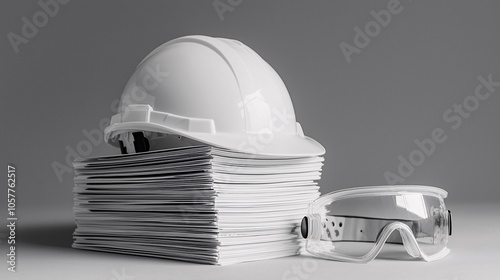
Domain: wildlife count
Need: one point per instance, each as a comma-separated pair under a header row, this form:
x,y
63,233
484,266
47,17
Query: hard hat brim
x,y
253,143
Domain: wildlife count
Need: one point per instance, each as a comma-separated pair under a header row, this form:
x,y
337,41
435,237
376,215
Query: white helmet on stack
x,y
209,90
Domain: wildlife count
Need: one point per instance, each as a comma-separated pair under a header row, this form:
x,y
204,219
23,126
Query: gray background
x,y
366,113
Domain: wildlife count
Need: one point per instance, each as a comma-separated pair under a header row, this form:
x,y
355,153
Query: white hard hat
x,y
214,91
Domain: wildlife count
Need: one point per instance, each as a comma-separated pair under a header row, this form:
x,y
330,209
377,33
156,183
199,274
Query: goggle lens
x,y
354,226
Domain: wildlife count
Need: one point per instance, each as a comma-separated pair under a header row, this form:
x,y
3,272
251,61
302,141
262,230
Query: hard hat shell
x,y
216,91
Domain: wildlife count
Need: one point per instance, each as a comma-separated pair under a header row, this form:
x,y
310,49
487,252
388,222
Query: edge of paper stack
x,y
198,204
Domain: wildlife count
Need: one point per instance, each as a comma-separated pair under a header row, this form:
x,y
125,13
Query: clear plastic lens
x,y
351,225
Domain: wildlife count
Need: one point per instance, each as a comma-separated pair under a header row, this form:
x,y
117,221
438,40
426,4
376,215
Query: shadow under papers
x,y
51,235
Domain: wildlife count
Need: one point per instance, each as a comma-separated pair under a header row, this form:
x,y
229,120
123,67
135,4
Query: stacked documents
x,y
199,204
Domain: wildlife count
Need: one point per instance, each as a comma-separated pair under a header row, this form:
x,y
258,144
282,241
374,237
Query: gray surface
x,y
366,112
474,255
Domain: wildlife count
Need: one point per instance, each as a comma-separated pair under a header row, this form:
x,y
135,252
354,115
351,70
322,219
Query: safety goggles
x,y
353,224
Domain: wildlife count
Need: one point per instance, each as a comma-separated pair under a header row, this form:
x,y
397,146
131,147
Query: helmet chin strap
x,y
133,142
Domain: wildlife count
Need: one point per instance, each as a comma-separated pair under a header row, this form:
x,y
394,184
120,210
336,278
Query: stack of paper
x,y
199,204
